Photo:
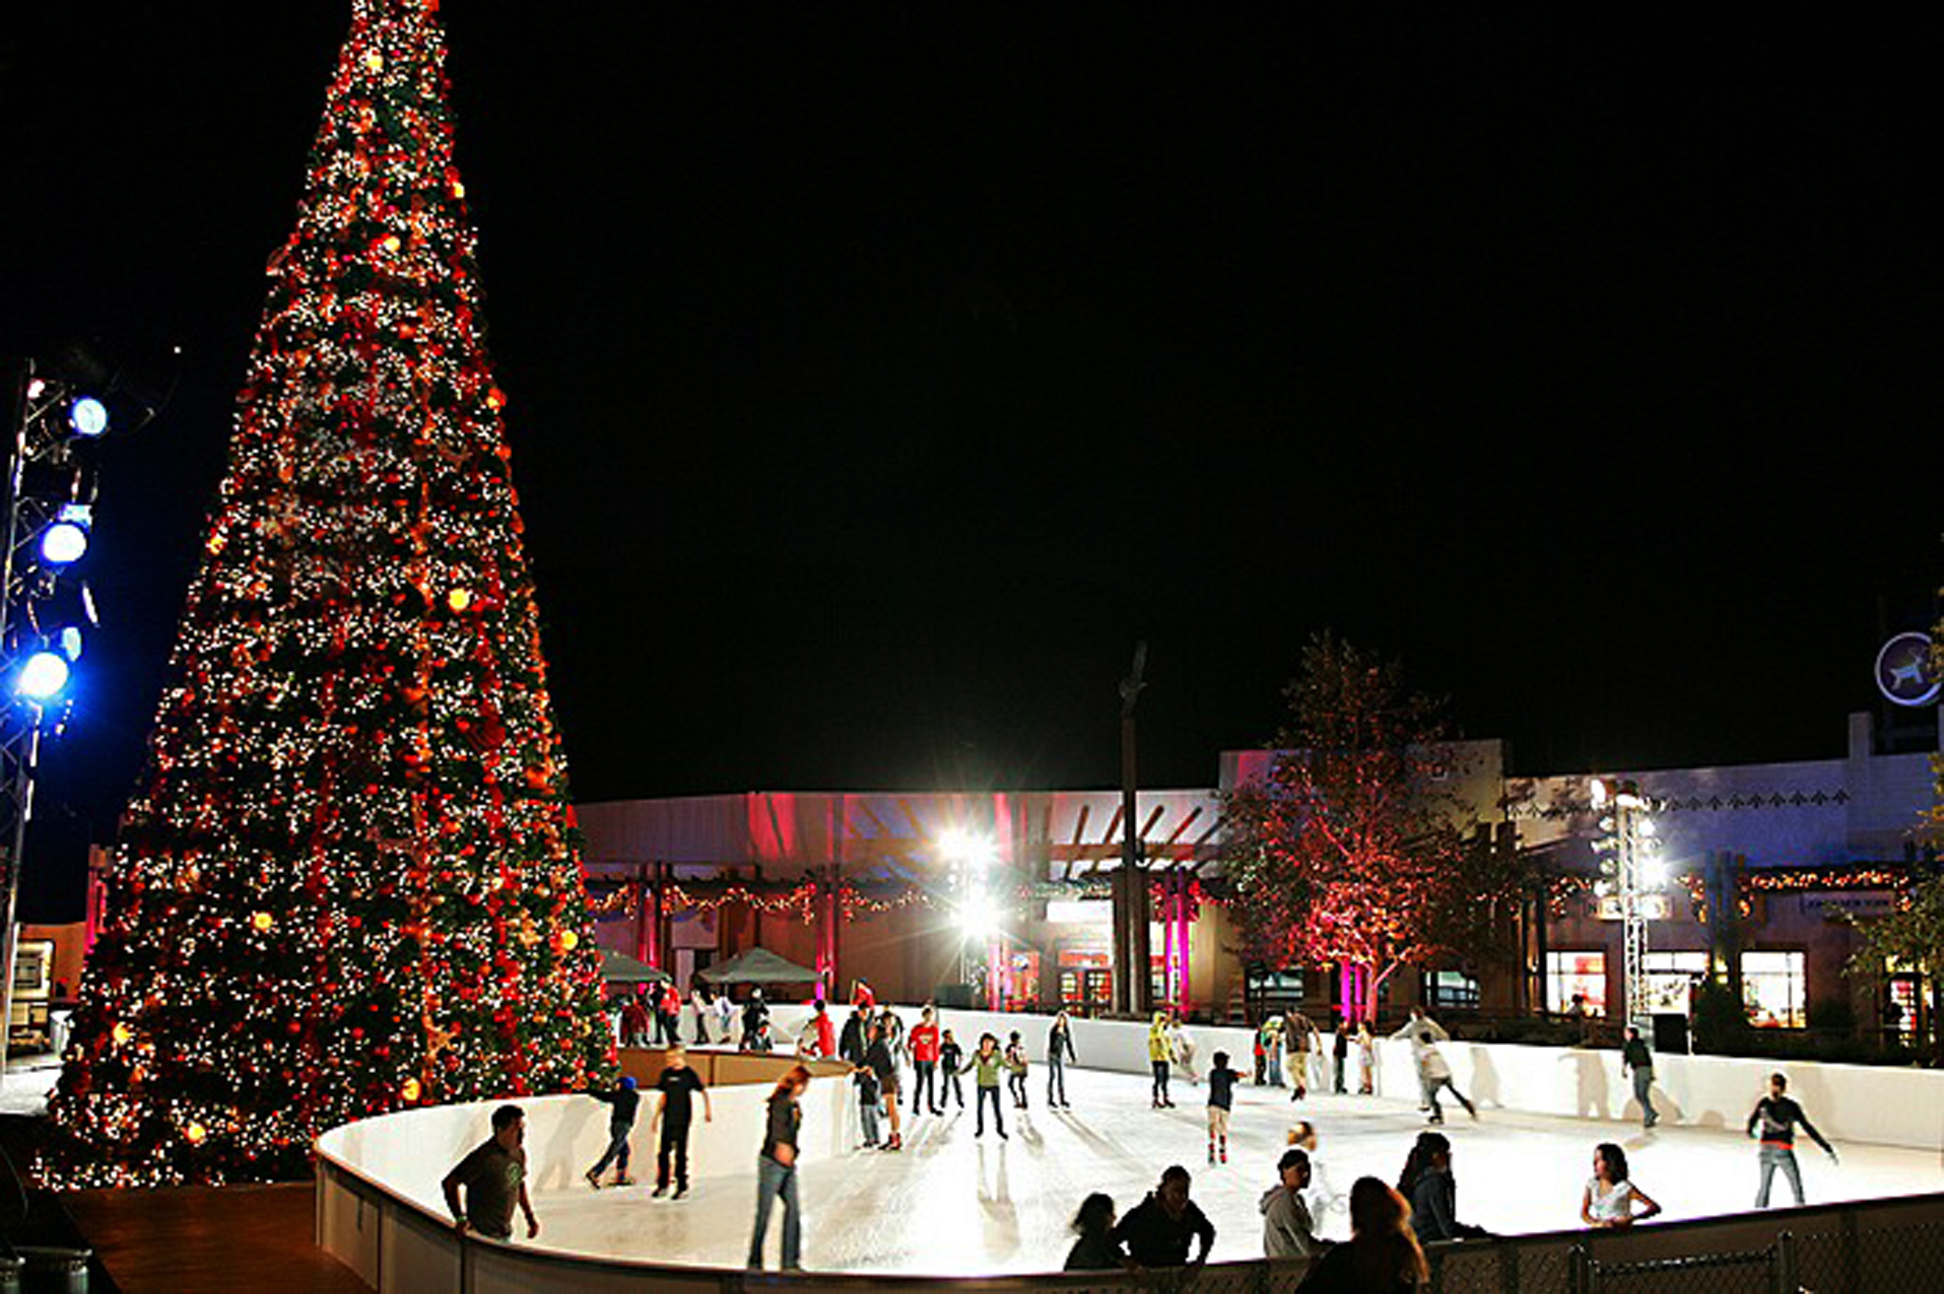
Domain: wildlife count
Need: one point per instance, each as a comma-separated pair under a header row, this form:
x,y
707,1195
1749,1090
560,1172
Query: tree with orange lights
x,y
1354,850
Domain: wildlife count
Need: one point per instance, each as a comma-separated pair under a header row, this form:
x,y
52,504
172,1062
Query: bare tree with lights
x,y
348,880
1352,851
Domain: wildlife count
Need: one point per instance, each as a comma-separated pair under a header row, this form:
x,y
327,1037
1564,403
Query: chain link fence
x,y
1855,1248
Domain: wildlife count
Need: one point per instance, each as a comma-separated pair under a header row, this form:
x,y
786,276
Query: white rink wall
x,y
1880,1105
410,1152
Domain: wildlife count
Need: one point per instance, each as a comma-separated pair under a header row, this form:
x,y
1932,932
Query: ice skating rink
x,y
953,1204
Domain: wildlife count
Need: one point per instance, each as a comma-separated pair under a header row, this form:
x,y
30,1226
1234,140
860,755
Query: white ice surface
x,y
951,1203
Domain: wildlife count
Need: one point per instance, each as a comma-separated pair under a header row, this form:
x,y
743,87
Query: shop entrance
x,y
1086,981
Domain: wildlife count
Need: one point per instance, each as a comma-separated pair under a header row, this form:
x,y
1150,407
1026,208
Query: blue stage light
x,y
88,416
62,543
42,676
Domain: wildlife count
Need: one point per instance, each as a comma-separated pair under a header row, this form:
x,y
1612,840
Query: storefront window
x,y
1451,990
1671,977
1583,974
1773,989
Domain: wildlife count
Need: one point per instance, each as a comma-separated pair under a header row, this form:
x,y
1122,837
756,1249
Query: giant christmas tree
x,y
347,881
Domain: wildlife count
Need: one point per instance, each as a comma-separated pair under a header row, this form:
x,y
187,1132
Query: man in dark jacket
x,y
1637,1059
626,1102
850,1041
1156,1231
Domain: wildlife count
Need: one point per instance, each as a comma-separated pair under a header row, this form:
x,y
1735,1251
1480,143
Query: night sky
x,y
878,377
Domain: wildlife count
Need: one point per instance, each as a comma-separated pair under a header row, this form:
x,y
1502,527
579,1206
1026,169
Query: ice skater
x,y
1366,1060
1421,1030
1059,1050
1287,1228
1634,1056
1433,1192
493,1176
1321,1195
924,1064
1434,1075
1296,1032
1157,1231
625,1101
1610,1197
1181,1048
987,1061
950,1055
1159,1054
678,1085
868,1097
1777,1114
776,1175
1016,1067
879,1058
1221,1099
1340,1057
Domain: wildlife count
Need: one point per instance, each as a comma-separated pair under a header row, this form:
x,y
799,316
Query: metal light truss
x,y
39,443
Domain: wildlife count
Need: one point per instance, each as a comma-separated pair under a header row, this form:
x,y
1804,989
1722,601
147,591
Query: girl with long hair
x,y
1610,1199
1383,1256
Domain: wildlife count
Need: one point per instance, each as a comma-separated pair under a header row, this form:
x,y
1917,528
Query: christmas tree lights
x,y
348,881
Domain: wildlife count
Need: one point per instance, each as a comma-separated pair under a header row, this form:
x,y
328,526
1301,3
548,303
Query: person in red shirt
x,y
670,1012
924,1059
634,1022
826,1034
862,996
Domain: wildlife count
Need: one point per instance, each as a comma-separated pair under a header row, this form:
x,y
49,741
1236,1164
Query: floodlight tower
x,y
1632,872
971,858
46,609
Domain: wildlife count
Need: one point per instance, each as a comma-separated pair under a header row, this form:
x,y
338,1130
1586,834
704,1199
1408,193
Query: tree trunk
x,y
1375,982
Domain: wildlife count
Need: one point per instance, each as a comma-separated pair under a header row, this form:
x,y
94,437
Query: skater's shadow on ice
x,y
1103,1146
1485,1078
1002,1219
1590,1100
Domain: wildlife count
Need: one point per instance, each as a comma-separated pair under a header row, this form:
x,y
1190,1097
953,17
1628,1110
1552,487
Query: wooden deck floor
x,y
202,1238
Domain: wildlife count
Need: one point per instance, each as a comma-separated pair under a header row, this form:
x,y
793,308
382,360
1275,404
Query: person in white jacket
x,y
1287,1231
1421,1031
1435,1073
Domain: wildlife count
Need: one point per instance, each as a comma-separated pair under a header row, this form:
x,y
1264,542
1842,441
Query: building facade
x,y
1005,895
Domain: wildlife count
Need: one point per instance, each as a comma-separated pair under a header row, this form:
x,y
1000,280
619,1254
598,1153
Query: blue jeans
x,y
868,1110
1643,1081
774,1179
617,1151
1772,1157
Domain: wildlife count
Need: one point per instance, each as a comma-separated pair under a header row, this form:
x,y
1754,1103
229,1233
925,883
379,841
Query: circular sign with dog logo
x,y
1903,670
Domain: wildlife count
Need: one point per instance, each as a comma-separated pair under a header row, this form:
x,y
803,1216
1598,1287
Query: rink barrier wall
x,y
1878,1105
381,1212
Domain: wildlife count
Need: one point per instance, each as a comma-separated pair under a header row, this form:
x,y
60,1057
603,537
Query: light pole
x,y
1133,989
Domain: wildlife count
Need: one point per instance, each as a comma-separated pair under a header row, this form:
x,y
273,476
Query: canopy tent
x,y
619,968
758,966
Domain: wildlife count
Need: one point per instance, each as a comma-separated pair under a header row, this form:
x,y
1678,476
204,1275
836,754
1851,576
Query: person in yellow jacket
x,y
1159,1054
